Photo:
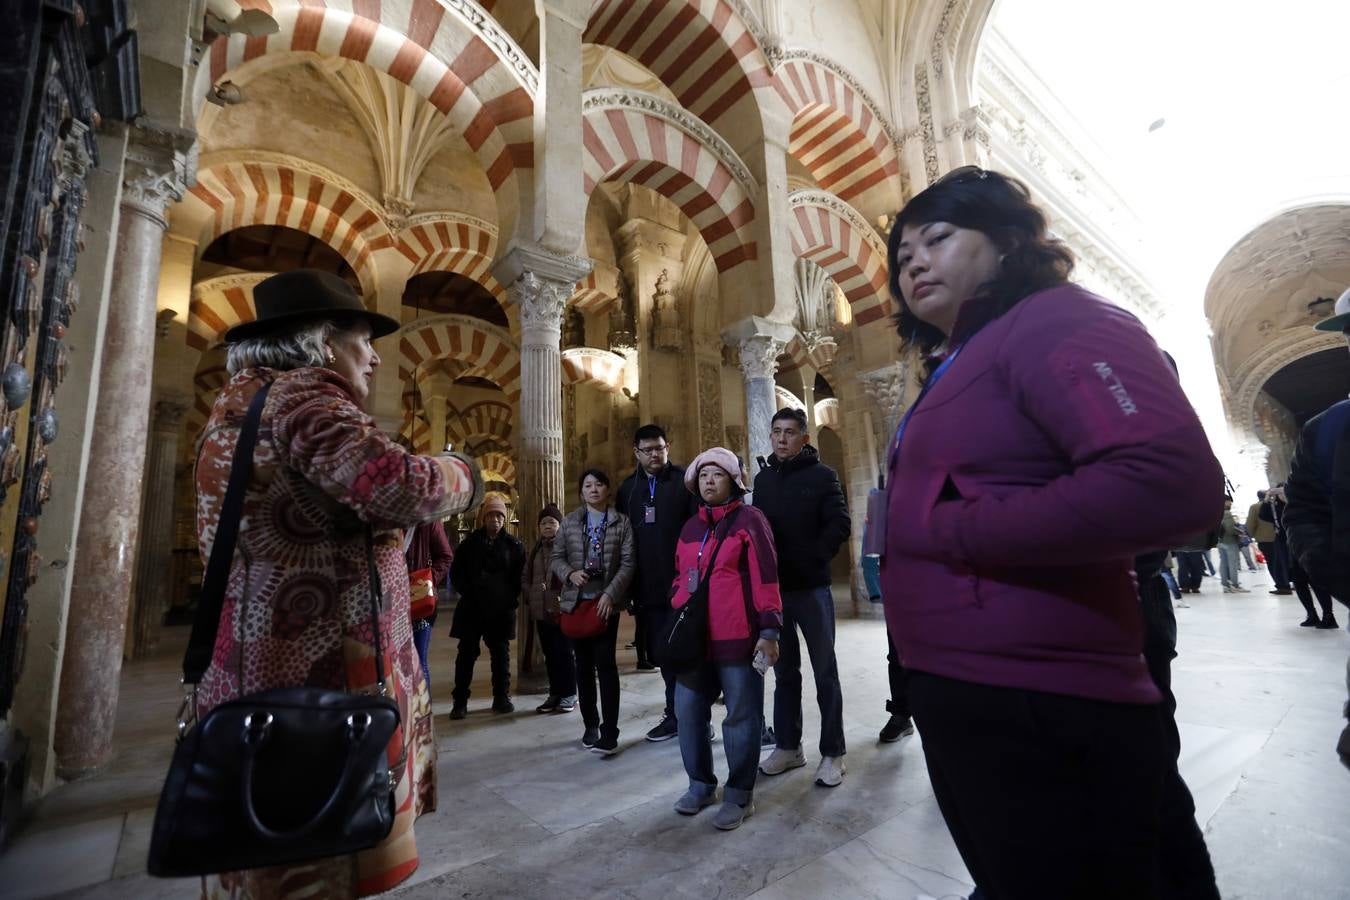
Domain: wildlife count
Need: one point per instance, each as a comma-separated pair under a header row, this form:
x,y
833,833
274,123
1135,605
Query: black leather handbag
x,y
275,777
684,644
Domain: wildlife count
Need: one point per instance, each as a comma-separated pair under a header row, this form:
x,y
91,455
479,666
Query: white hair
x,y
296,349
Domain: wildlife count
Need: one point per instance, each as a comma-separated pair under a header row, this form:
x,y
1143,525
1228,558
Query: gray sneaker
x,y
692,803
731,815
830,772
780,760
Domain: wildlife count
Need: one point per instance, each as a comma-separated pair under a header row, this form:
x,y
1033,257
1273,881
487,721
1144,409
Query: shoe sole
x,y
827,784
795,765
694,812
906,732
749,811
603,752
662,737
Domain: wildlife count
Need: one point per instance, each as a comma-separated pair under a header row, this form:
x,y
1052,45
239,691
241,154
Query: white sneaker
x,y
1182,604
1239,589
830,772
780,760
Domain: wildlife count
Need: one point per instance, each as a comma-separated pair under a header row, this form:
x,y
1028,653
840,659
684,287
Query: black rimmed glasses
x,y
651,451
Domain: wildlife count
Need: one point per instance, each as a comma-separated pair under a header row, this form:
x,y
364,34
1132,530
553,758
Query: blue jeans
x,y
1171,583
813,610
422,641
695,691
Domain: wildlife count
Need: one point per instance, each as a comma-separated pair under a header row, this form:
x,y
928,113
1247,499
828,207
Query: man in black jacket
x,y
1317,519
486,575
804,504
657,504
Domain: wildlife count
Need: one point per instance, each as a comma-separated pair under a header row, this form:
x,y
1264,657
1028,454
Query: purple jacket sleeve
x,y
1142,474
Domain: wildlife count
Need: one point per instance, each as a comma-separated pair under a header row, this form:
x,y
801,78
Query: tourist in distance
x,y
486,574
593,555
801,498
728,545
542,591
1261,527
428,548
1303,586
327,487
1050,445
1230,560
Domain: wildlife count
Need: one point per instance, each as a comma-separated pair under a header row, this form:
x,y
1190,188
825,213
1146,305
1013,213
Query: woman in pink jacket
x,y
745,613
1050,445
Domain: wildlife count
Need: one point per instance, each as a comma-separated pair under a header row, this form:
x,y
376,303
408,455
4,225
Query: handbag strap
x,y
201,645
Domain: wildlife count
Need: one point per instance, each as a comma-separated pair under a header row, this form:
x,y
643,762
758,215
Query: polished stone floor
x,y
525,813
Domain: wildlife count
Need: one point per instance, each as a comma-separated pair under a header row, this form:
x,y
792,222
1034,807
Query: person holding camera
x,y
594,557
727,546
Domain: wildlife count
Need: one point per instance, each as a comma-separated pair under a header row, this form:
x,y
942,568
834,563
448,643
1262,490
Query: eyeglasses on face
x,y
651,451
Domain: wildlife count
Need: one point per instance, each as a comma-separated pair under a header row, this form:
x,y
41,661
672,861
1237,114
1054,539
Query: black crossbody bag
x,y
279,776
685,641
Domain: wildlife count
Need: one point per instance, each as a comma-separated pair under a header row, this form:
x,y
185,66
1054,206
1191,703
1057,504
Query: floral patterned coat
x,y
297,604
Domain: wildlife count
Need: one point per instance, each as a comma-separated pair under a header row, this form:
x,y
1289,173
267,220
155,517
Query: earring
x,y
331,358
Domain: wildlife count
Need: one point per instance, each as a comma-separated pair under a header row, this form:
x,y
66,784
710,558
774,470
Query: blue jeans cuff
x,y
701,788
737,796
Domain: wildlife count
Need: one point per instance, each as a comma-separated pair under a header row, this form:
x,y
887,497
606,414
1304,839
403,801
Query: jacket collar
x,y
580,513
808,457
711,515
670,470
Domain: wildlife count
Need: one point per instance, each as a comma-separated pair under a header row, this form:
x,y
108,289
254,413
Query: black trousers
x,y
1048,797
595,662
898,705
499,649
558,659
1275,564
1190,569
1185,870
1306,590
654,620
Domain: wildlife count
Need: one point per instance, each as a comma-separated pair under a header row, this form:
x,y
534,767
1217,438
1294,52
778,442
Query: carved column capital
x,y
159,168
759,356
541,302
886,388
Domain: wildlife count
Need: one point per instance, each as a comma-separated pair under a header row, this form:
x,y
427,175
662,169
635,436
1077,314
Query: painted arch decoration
x,y
598,368
599,290
484,419
453,242
497,466
633,136
448,51
487,350
828,415
831,234
218,304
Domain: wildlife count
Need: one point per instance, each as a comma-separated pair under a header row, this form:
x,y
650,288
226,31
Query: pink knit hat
x,y
721,457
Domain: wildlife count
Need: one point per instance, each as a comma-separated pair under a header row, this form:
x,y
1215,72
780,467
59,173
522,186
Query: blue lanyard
x,y
928,386
598,531
651,489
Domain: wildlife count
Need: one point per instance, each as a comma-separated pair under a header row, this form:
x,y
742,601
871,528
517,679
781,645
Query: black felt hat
x,y
305,295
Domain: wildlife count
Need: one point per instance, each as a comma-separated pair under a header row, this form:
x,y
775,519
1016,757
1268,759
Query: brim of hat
x,y
380,325
1335,323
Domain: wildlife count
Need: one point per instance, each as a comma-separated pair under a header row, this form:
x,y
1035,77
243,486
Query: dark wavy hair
x,y
1000,208
598,474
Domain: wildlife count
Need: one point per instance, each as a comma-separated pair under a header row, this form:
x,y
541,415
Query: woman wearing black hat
x,y
323,514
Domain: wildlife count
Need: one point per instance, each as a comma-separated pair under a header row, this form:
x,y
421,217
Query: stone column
x,y
155,175
759,361
154,564
539,282
808,375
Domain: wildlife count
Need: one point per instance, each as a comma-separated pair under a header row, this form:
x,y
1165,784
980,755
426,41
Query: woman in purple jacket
x,y
1051,444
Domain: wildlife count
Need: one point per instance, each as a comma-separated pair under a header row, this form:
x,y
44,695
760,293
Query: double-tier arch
x,y
488,351
831,234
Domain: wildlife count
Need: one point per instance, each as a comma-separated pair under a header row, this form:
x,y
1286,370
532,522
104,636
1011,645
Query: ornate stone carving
x,y
667,333
886,388
926,128
541,302
951,13
156,174
1251,379
498,39
709,404
623,318
820,349
759,356
784,55
681,118
735,439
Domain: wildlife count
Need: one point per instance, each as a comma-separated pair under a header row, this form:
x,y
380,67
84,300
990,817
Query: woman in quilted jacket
x,y
730,545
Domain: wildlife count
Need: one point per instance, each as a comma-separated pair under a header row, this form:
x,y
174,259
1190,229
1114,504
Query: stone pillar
x,y
759,361
155,175
154,564
539,283
808,375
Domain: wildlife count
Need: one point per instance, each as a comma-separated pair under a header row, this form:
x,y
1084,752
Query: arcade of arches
x,y
588,215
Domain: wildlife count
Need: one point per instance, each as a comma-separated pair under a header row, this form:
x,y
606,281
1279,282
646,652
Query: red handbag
x,y
584,620
421,595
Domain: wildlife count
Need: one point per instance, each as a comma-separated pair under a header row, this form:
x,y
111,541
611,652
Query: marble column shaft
x,y
759,361
154,563
540,472
106,542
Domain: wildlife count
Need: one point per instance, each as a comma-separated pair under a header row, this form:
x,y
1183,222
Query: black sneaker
x,y
548,705
589,739
1310,622
896,728
767,738
459,710
666,729
503,705
644,666
606,746
1329,622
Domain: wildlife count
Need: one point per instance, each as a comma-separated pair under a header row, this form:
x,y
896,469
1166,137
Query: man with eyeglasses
x,y
804,504
1317,517
655,500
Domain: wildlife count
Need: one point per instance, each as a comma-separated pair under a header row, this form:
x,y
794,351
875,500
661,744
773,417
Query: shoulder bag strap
x,y
203,641
717,548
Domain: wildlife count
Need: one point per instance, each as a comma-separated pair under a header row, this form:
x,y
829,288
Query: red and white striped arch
x,y
218,304
700,49
599,368
599,290
416,429
837,133
497,466
488,350
832,235
794,355
485,89
828,415
261,188
627,144
486,418
460,244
